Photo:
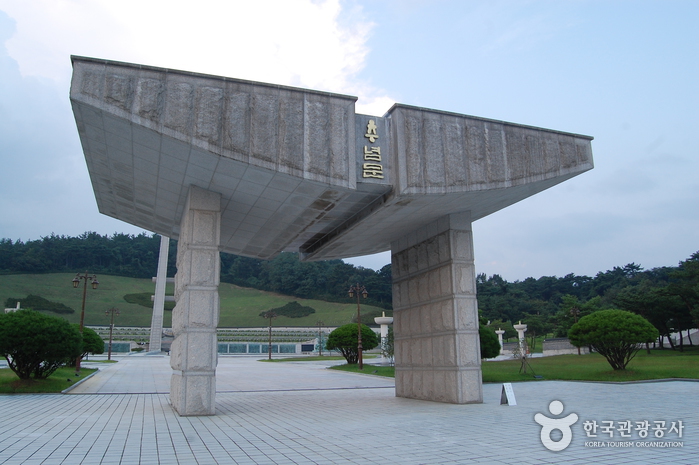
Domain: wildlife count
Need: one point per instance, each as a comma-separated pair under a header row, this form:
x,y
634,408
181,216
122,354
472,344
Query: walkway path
x,y
301,413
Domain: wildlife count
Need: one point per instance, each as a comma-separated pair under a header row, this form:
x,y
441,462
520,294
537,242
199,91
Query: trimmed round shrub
x,y
344,339
615,334
490,345
35,344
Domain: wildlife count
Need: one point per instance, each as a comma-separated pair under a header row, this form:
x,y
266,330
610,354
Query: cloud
x,y
312,44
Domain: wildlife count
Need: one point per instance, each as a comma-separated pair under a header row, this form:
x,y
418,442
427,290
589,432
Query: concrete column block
x,y
463,245
436,313
471,382
466,309
443,248
417,351
423,289
468,349
203,309
193,354
445,279
415,321
193,394
428,388
412,260
439,351
412,294
434,286
432,251
464,279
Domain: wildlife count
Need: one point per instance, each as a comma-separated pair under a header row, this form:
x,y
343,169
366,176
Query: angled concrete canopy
x,y
288,162
276,168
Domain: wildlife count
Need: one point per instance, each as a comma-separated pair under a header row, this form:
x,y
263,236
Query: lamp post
x,y
270,315
320,339
76,282
357,289
575,311
113,311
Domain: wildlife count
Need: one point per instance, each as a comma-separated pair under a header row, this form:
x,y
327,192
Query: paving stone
x,y
285,413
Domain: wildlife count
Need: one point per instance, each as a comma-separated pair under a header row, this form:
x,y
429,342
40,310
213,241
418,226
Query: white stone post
x,y
383,321
193,355
156,324
437,347
521,329
500,332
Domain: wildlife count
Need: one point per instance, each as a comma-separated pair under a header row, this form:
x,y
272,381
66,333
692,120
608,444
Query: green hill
x,y
240,307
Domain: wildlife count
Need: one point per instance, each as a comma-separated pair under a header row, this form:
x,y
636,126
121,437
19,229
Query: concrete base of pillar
x,y
437,346
440,385
193,394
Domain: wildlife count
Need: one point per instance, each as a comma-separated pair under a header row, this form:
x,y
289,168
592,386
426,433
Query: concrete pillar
x,y
521,329
193,355
435,313
383,321
156,324
500,332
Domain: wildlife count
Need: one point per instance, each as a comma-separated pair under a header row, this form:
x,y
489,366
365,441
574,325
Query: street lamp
x,y
357,289
113,311
76,282
270,315
575,311
320,339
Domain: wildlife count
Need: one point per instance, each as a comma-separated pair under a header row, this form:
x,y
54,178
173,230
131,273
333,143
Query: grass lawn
x,y
368,369
57,382
660,364
312,358
240,307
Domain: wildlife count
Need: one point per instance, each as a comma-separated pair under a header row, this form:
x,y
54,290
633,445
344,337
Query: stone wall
x,y
561,346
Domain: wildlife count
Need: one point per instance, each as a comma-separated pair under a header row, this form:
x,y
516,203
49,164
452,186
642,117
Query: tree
x,y
490,346
35,344
685,285
505,326
615,334
344,339
36,302
388,346
291,310
92,342
571,310
536,326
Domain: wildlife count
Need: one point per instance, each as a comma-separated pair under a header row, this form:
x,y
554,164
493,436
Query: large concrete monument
x,y
257,169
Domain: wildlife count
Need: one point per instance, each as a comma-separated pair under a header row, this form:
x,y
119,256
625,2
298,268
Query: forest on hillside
x,y
667,296
136,256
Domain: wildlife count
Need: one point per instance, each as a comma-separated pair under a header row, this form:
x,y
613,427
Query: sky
x,y
624,72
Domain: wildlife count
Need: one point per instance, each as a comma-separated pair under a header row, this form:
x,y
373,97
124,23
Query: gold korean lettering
x,y
372,170
371,131
372,154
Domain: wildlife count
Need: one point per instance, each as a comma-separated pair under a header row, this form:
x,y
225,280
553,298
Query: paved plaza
x,y
302,413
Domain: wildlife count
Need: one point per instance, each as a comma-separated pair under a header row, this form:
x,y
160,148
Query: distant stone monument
x,y
256,169
383,321
156,326
521,329
15,309
500,332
